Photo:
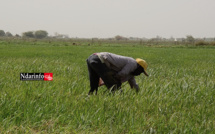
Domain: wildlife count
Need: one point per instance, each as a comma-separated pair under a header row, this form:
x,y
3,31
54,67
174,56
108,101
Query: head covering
x,y
143,64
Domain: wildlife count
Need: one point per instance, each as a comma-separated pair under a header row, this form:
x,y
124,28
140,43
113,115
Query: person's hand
x,y
101,82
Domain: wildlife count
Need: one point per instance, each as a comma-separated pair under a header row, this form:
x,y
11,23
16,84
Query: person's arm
x,y
129,67
133,84
125,70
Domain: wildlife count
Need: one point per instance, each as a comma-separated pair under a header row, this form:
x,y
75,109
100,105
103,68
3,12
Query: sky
x,y
108,18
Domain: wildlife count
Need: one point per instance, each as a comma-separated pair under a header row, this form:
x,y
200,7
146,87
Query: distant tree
x,y
40,34
29,34
61,36
190,39
17,35
2,33
8,34
118,37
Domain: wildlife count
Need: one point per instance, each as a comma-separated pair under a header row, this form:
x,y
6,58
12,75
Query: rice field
x,y
177,97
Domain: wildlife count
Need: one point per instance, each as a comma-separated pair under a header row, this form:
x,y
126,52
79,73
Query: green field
x,y
177,97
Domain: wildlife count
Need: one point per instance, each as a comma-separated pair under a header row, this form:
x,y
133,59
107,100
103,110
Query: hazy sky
x,y
108,18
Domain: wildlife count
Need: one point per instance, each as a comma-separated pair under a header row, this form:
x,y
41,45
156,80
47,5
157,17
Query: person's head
x,y
141,67
138,70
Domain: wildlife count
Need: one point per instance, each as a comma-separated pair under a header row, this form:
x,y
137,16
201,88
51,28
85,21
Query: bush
x,y
212,43
201,43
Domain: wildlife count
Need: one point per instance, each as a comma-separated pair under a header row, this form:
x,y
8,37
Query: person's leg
x,y
97,69
94,78
105,73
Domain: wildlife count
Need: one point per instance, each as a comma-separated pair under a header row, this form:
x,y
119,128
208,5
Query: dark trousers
x,y
97,70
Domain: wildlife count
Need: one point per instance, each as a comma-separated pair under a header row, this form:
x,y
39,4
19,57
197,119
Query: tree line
x,y
39,34
189,39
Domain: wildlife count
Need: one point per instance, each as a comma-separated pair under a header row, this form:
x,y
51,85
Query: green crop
x,y
177,97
